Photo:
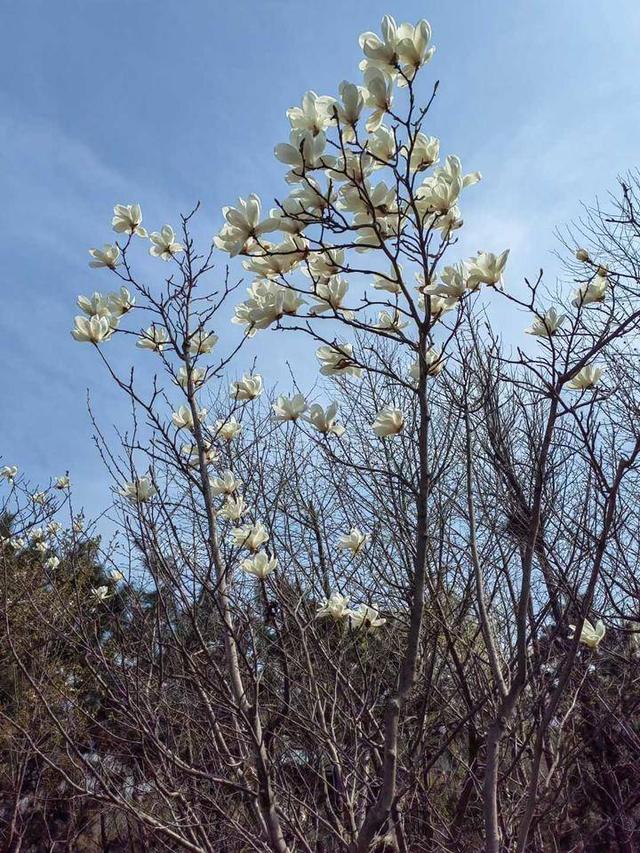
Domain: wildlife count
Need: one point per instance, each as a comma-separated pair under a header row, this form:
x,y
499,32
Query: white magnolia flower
x,y
389,421
277,260
372,235
164,242
325,263
355,167
587,378
62,482
353,541
53,528
250,536
438,305
324,420
381,144
590,635
100,593
233,509
337,360
361,200
94,330
381,53
445,222
403,48
140,490
120,302
289,408
425,152
485,268
229,429
388,282
37,534
227,484
52,563
414,47
582,255
434,364
155,338
268,303
303,151
107,256
183,418
202,342
8,473
335,607
260,566
365,618
378,95
315,115
592,291
198,375
77,524
116,575
211,455
350,110
247,388
303,205
330,295
95,305
391,322
41,547
547,324
451,283
439,192
127,219
243,226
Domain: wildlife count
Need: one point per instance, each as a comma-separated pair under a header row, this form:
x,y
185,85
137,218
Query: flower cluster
x,y
352,175
363,618
250,536
102,314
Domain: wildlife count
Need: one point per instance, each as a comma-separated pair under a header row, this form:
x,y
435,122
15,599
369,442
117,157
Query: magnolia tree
x,y
396,612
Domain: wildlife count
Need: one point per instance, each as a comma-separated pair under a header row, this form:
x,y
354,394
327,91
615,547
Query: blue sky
x,y
106,101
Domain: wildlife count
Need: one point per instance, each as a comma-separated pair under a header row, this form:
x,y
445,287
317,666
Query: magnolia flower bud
x,y
582,255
